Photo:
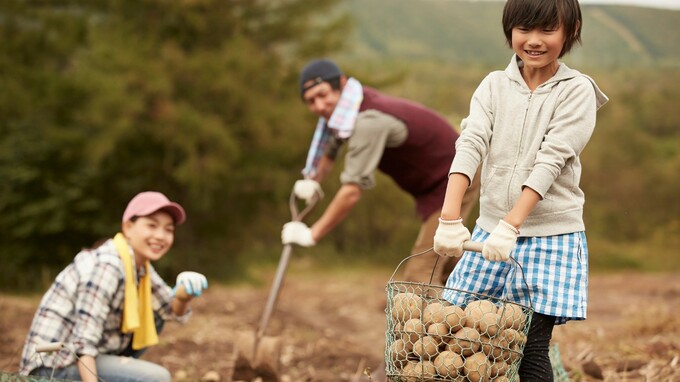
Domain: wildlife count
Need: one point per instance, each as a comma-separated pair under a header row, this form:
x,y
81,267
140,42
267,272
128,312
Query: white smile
x,y
156,247
534,52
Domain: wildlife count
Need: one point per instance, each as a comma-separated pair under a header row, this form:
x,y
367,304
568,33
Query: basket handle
x,y
472,246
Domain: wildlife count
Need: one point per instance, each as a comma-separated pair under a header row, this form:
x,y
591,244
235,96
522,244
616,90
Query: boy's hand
x,y
193,283
449,237
305,189
501,242
297,233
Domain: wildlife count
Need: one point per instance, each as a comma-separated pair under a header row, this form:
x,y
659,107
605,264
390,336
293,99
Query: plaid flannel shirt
x,y
84,309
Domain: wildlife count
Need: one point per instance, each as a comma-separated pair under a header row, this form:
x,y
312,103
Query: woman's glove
x,y
501,242
297,233
449,237
305,189
192,282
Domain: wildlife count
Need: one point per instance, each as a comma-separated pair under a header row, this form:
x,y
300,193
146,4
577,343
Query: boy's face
x,y
322,99
538,48
150,236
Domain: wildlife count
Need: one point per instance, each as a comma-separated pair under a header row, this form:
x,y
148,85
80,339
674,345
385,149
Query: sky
x,y
668,4
671,4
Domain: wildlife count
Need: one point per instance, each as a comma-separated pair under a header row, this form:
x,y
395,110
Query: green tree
x,y
104,99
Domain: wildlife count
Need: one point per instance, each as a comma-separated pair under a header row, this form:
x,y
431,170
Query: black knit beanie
x,y
320,70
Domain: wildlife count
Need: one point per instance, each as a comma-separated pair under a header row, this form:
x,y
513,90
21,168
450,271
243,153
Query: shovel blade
x,y
253,358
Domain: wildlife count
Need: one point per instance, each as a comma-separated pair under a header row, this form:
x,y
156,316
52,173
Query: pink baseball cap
x,y
148,202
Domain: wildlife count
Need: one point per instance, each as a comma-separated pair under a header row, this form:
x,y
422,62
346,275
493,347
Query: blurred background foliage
x,y
198,99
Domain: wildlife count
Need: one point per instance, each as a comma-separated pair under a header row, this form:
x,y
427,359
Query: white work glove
x,y
449,237
501,242
297,233
305,189
193,283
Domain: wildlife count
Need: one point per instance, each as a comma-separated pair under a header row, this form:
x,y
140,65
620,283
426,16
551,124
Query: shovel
x,y
257,355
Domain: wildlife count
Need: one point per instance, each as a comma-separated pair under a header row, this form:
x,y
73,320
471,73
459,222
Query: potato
x,y
426,348
488,324
512,316
511,354
511,335
439,332
426,369
476,309
476,367
455,317
398,353
433,314
494,348
448,364
515,354
464,342
498,368
413,330
415,371
409,372
406,306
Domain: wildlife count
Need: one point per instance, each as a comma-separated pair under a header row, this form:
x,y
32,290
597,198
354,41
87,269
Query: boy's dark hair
x,y
544,14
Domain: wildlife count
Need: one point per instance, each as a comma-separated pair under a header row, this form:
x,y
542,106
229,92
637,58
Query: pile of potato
x,y
434,340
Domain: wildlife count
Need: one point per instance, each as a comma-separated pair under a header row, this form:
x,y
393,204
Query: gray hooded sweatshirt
x,y
529,139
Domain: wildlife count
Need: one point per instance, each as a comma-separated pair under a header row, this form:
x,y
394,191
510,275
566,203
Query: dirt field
x,y
333,327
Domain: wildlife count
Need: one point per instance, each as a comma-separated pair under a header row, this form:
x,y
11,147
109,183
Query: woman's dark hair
x,y
103,240
544,14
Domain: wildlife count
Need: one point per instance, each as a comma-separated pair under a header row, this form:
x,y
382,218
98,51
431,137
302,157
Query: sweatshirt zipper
x,y
519,151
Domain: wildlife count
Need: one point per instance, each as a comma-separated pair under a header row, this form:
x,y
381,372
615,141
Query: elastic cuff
x,y
510,226
459,220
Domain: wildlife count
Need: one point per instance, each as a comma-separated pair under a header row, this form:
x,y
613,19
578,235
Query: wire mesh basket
x,y
430,339
12,377
48,347
559,372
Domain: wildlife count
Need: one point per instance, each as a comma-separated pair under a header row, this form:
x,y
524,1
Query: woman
x,y
109,304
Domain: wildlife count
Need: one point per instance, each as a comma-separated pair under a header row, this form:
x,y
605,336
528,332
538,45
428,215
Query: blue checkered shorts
x,y
555,269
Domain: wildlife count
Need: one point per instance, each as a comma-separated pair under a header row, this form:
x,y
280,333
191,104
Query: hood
x,y
564,73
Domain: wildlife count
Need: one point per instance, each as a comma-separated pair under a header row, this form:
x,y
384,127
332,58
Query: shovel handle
x,y
295,213
274,291
283,264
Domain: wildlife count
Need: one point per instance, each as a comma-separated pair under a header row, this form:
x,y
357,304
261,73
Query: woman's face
x,y
150,236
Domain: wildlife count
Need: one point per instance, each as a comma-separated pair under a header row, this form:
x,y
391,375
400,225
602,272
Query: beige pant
x,y
422,268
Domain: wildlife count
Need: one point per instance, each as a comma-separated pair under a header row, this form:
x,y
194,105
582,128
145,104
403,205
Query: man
x,y
408,142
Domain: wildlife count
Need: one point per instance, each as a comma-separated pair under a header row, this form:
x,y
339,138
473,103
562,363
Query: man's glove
x,y
297,233
501,242
305,189
192,282
449,237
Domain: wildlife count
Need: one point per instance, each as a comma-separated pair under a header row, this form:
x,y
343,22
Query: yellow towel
x,y
137,308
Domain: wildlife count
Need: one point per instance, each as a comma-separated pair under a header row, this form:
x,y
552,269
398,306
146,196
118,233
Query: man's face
x,y
321,99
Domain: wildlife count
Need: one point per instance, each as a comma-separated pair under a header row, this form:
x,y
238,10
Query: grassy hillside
x,y
436,52
464,32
